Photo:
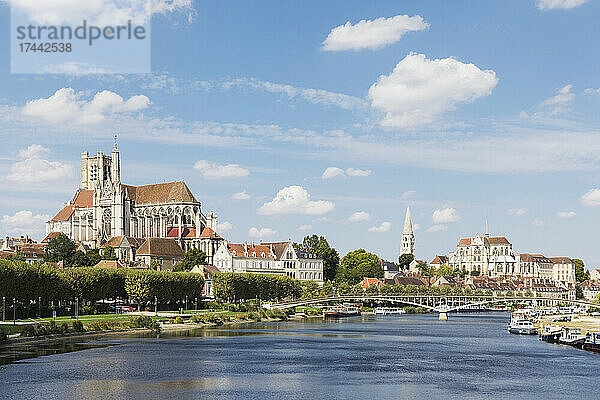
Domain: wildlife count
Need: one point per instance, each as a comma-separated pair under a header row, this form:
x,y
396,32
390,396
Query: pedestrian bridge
x,y
435,303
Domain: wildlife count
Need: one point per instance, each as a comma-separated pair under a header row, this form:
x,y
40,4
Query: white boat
x,y
521,326
388,311
572,337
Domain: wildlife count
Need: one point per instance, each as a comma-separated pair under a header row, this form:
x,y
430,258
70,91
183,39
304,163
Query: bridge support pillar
x,y
443,316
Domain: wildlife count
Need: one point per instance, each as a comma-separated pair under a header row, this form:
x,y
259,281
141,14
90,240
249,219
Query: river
x,y
470,356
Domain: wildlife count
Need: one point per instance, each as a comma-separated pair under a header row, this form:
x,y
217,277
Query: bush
x,y
144,321
28,330
77,326
3,336
254,316
88,310
178,320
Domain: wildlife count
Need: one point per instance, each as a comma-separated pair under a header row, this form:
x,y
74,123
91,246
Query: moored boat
x,y
388,311
341,312
522,326
550,333
592,342
572,337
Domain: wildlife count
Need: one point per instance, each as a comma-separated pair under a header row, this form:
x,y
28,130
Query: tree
x,y
580,272
578,292
424,268
445,270
319,246
61,248
359,264
404,260
192,258
80,259
108,253
93,256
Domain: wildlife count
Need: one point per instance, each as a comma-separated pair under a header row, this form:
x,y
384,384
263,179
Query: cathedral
x,y
103,208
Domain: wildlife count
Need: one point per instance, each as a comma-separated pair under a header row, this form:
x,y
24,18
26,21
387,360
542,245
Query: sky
x,y
300,117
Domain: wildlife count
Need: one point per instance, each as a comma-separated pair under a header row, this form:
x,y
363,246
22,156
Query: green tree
x,y
580,272
93,256
445,270
319,246
404,260
108,253
359,264
192,258
61,248
424,269
80,259
578,292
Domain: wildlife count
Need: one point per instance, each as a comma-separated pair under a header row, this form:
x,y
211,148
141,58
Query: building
x,y
110,264
103,207
590,289
368,282
407,245
595,274
166,253
438,261
270,258
488,256
563,270
390,269
244,257
125,247
535,266
207,271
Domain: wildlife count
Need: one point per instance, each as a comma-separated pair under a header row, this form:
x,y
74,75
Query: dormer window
x,y
263,254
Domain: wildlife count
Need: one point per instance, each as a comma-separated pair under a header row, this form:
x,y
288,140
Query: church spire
x,y
408,229
408,238
487,231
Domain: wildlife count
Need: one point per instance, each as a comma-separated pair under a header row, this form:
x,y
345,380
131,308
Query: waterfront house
x,y
590,289
165,252
368,282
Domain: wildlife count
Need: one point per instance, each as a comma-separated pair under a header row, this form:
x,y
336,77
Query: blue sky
x,y
476,110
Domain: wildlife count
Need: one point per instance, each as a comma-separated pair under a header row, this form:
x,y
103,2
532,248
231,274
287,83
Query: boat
x,y
521,326
592,342
550,333
388,311
572,337
341,312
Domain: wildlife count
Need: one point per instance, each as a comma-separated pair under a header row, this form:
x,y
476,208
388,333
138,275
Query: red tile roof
x,y
50,236
160,247
84,199
64,214
171,192
253,250
187,232
209,233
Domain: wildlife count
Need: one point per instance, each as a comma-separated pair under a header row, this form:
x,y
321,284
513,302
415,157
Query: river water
x,y
470,356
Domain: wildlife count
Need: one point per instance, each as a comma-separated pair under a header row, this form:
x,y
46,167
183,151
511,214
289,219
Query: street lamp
x,y
14,311
40,307
186,298
196,304
3,309
76,307
155,305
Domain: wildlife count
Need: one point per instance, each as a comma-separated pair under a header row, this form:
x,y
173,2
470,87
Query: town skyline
x,y
307,116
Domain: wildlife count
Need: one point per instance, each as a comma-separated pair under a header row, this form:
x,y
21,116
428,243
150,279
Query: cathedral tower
x,y
408,237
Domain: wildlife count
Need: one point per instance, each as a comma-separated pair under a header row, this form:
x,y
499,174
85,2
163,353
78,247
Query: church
x,y
104,209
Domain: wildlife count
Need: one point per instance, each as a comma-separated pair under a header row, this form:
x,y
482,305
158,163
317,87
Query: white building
x,y
535,266
103,207
489,256
269,258
563,270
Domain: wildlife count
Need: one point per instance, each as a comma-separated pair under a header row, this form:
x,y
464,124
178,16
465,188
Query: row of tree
x,y
233,287
29,282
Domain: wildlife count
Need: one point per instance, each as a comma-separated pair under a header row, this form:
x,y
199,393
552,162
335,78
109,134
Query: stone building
x,y
161,251
103,208
407,245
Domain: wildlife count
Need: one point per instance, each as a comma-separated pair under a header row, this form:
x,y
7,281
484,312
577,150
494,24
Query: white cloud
x,y
295,200
384,227
333,172
313,96
416,227
359,216
372,34
538,222
358,172
516,212
591,91
437,228
408,194
240,196
34,169
558,4
261,233
224,227
566,214
66,106
419,89
560,103
98,12
591,198
445,215
214,171
24,223
304,227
